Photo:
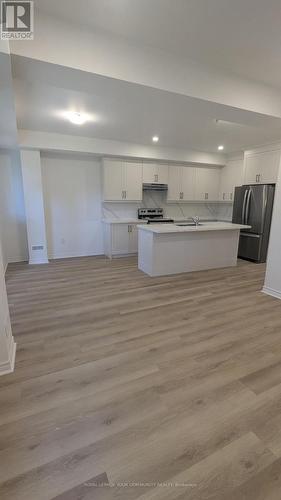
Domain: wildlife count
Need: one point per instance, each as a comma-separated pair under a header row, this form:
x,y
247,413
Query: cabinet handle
x,y
129,229
125,193
122,195
259,177
206,196
155,177
231,196
181,195
223,196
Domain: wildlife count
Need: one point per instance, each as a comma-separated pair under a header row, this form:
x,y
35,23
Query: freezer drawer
x,y
250,246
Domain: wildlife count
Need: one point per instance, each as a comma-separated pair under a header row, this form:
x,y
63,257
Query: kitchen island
x,y
174,248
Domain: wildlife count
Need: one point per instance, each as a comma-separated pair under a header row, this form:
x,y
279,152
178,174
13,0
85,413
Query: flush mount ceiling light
x,y
77,118
155,138
221,147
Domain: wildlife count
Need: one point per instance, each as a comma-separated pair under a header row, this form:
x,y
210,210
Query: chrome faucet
x,y
196,220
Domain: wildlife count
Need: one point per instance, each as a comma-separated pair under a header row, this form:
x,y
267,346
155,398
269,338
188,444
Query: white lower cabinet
x,y
120,239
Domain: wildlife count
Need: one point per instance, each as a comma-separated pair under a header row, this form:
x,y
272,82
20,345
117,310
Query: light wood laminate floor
x,y
161,388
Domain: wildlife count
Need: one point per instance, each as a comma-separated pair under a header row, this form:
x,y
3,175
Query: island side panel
x,y
145,251
186,252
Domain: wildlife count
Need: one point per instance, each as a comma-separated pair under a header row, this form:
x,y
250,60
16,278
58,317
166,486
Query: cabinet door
x,y
154,173
207,184
252,169
120,239
133,181
162,174
269,167
113,179
174,183
133,238
149,173
224,184
230,176
188,183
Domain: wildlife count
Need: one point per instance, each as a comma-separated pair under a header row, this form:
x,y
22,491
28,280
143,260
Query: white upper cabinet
x,y
207,184
122,181
174,183
262,168
193,184
181,183
132,181
113,180
188,178
155,173
230,176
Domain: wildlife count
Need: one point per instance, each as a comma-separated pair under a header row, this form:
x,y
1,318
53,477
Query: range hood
x,y
154,187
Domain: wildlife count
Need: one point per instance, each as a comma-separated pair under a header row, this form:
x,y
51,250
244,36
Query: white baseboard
x,y
72,255
272,292
9,366
33,262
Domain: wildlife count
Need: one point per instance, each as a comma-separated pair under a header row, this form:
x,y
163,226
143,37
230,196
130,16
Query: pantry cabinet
x,y
262,168
207,184
230,176
122,181
155,173
120,239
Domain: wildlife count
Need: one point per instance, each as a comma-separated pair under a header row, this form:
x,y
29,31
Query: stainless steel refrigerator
x,y
253,206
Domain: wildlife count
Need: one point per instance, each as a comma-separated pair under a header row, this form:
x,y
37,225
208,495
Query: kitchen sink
x,y
189,224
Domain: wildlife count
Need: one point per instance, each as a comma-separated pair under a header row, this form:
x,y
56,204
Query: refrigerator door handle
x,y
250,235
248,206
264,205
244,206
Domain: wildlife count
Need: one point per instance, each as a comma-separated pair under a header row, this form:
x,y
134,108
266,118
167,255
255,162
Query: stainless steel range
x,y
153,216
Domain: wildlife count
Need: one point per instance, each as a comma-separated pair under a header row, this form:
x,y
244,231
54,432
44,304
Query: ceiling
x,y
131,113
240,36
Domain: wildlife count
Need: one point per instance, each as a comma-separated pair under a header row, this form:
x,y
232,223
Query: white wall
x,y
12,212
272,284
7,344
72,197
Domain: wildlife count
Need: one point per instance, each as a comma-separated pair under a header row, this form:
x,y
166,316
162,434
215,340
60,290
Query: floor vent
x,y
38,247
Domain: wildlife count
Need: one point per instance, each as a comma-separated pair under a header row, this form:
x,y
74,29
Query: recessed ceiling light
x,y
77,118
155,138
220,148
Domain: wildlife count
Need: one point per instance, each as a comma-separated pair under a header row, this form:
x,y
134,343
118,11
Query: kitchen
x,y
185,191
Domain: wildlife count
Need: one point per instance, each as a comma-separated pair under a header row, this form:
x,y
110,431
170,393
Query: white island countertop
x,y
203,226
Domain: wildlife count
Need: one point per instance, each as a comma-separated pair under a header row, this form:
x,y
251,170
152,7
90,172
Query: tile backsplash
x,y
155,199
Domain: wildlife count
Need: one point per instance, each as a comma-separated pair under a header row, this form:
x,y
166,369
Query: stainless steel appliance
x,y
253,206
153,215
